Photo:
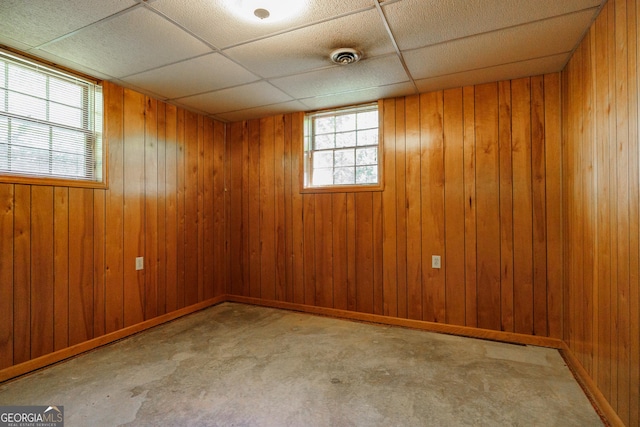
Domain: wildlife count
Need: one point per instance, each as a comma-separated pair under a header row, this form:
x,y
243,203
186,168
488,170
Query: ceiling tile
x,y
266,111
492,74
238,98
52,18
215,21
309,47
417,23
16,44
132,42
202,74
551,36
373,72
359,97
81,68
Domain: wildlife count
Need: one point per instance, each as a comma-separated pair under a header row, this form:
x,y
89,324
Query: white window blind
x,y
50,122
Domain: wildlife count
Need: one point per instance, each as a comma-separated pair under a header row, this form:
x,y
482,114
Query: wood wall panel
x,y
601,183
61,268
134,134
80,265
67,254
41,271
114,134
22,274
468,176
601,205
6,273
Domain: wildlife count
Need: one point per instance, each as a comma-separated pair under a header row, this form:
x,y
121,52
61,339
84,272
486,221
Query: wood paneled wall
x,y
67,255
472,174
602,206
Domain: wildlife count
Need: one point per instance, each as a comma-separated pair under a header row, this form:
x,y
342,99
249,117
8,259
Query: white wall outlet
x,y
139,263
435,261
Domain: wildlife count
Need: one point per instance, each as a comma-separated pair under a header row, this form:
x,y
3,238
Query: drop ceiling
x,y
199,55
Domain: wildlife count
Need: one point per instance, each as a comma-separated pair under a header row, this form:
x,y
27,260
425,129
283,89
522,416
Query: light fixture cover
x,y
267,11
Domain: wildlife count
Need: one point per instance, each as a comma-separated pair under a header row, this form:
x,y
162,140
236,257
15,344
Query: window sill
x,y
51,181
343,189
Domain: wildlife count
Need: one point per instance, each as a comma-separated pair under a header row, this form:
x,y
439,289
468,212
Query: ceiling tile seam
x,y
99,21
395,45
308,98
584,33
212,92
256,106
182,27
168,64
268,80
139,89
299,27
497,30
32,51
495,66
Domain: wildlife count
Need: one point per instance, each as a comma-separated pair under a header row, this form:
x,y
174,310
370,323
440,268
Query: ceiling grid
x,y
201,56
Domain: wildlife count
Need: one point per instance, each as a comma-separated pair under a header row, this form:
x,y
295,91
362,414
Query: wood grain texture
x,y
150,208
454,161
6,273
22,274
61,268
389,212
134,132
488,206
454,207
80,265
522,206
600,205
42,290
432,202
114,132
506,203
67,254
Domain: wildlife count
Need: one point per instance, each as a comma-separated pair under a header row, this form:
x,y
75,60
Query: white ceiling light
x,y
268,11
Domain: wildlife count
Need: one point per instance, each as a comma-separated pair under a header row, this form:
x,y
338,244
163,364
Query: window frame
x,y
305,159
52,180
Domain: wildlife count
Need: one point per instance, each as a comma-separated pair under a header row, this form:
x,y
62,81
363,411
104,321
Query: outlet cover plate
x,y
436,261
139,263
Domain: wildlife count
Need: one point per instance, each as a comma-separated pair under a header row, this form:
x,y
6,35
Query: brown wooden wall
x,y
67,255
472,174
602,206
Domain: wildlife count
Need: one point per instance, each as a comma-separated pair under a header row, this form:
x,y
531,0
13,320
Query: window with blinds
x,y
50,122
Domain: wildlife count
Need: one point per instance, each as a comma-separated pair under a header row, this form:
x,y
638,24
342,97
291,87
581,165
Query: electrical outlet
x,y
435,261
139,263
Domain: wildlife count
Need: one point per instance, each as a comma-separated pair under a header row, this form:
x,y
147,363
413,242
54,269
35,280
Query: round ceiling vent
x,y
345,56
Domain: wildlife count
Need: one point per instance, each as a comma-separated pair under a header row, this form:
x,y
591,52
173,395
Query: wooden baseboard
x,y
465,331
589,386
66,353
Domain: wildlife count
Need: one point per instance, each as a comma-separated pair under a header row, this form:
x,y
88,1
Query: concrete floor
x,y
241,365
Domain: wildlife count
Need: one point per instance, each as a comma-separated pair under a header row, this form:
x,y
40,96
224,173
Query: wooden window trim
x,y
356,188
23,178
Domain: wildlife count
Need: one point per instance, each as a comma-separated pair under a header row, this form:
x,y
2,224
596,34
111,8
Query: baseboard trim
x,y
465,331
590,388
75,350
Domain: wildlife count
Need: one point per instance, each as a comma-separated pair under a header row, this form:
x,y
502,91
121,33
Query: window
x,y
50,122
342,149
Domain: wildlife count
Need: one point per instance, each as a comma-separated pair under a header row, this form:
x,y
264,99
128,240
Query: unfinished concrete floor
x,y
242,365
